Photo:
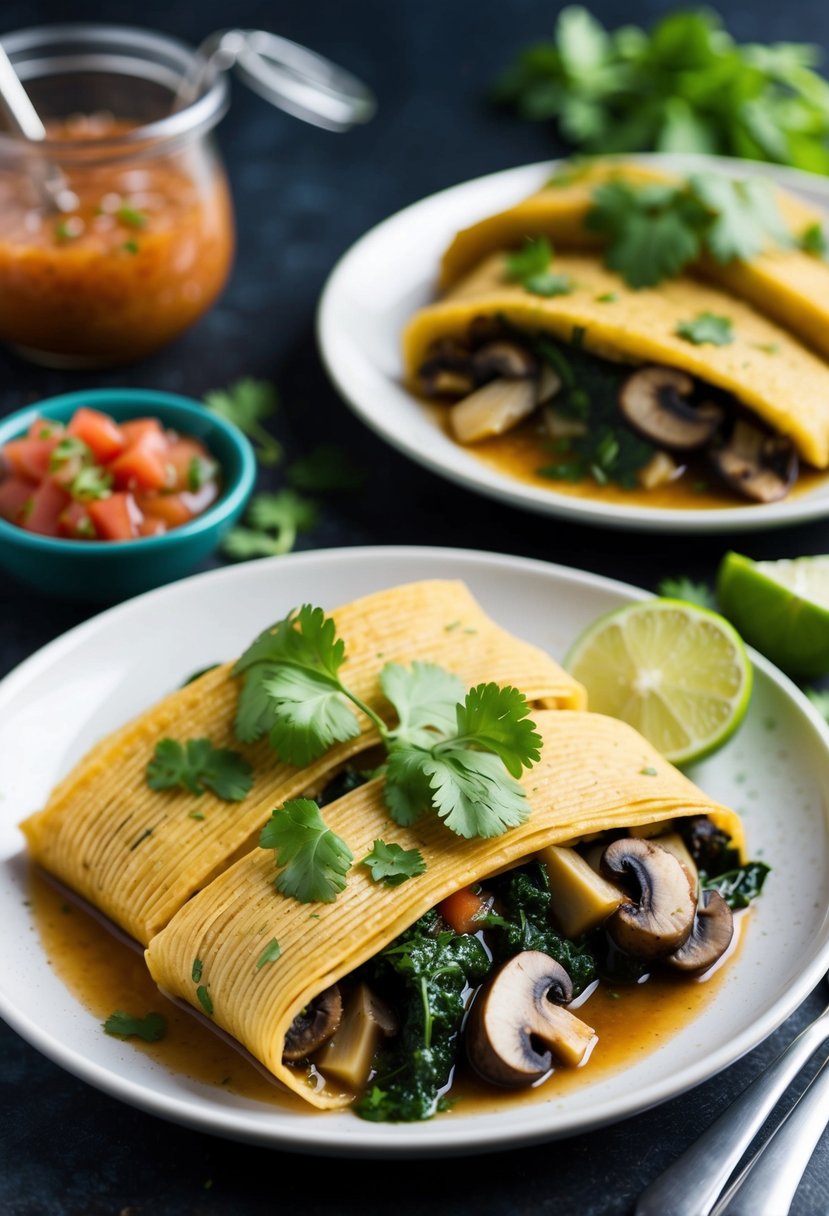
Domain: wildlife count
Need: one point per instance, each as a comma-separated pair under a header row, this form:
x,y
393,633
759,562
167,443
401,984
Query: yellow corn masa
x,y
765,368
138,854
595,773
788,285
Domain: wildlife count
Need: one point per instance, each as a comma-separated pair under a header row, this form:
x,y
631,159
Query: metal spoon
x,y
690,1186
48,179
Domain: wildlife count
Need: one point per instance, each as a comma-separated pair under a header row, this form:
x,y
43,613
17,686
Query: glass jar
x,y
143,242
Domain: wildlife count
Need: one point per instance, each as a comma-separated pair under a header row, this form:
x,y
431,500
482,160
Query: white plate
x,y
776,771
392,270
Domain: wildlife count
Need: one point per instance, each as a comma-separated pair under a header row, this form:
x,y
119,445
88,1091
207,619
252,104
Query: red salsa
x,y
96,479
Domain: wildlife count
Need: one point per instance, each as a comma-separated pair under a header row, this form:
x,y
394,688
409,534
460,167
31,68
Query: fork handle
x,y
767,1185
690,1186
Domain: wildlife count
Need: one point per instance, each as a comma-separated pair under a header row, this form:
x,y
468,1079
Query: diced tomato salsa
x,y
96,479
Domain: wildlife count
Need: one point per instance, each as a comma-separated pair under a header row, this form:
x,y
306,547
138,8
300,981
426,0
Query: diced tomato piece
x,y
181,454
30,457
115,518
463,910
140,467
15,492
149,430
48,501
171,508
75,523
99,432
152,527
46,428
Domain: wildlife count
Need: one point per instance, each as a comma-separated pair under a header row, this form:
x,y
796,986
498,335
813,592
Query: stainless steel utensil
x,y
48,179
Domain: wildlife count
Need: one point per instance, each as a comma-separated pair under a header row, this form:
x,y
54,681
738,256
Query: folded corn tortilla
x,y
595,774
138,854
765,367
788,285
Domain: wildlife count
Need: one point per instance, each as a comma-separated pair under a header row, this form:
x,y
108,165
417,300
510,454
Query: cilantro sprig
x,y
274,522
314,860
458,755
122,1025
197,765
530,266
247,404
707,328
392,865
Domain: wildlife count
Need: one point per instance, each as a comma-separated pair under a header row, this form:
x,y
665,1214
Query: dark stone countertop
x,y
302,197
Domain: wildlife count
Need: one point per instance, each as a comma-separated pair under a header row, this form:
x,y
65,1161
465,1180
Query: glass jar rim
x,y
38,52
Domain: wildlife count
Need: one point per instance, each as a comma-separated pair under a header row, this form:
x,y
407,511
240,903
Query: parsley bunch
x,y
457,754
685,86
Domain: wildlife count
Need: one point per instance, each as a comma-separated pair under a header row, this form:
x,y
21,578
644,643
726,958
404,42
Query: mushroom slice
x,y
314,1026
662,917
710,937
504,358
447,372
516,1024
758,465
653,402
493,409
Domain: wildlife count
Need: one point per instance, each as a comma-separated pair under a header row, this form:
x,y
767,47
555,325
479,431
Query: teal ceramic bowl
x,y
114,570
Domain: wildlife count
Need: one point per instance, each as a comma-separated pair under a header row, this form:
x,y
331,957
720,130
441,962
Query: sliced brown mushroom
x,y
662,917
710,937
654,403
517,1025
315,1025
447,372
493,409
504,358
760,466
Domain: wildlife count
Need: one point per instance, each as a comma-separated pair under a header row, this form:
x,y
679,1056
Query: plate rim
x,y
485,480
406,1140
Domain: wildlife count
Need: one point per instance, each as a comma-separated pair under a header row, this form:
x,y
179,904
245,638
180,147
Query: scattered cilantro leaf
x,y
277,520
247,404
392,865
707,328
652,232
813,240
91,482
205,1000
122,1025
471,792
269,955
497,720
69,448
326,470
130,246
199,471
548,284
682,588
198,967
69,229
131,217
744,216
197,765
314,859
532,259
423,695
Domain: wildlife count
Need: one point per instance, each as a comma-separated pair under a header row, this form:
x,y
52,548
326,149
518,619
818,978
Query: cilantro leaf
x,y
324,470
91,482
496,719
69,448
813,240
306,637
423,695
652,232
122,1025
242,544
246,404
309,714
199,471
391,864
682,588
205,1000
407,790
315,860
707,328
533,258
197,765
548,284
131,217
277,520
472,793
745,216
270,954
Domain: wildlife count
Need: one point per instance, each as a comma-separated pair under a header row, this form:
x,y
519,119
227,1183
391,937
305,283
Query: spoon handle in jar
x,y
691,1184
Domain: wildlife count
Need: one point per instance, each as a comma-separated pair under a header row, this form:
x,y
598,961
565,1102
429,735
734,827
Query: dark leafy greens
x,y
738,887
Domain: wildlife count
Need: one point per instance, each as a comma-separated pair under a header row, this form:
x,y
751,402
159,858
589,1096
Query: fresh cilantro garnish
x,y
199,471
707,328
197,765
130,246
69,448
91,482
269,955
813,240
125,1026
205,1000
315,859
652,231
69,229
744,216
85,528
549,284
682,588
683,86
276,521
247,404
607,297
198,967
392,865
131,217
325,470
648,771
533,258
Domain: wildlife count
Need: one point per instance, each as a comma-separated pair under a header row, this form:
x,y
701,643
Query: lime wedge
x,y
781,607
678,673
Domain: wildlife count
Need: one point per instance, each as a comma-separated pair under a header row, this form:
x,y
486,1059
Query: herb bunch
x,y
685,86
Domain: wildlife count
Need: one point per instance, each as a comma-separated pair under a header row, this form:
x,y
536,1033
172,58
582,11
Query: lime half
x,y
678,673
782,608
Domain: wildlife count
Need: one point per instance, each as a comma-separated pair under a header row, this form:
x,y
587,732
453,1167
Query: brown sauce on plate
x,y
105,974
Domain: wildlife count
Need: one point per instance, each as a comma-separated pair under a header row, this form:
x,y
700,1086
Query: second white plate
x,y
391,272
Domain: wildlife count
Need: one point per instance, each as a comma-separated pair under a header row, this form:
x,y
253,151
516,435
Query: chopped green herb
x,y
707,328
205,1000
197,815
131,217
247,404
197,765
69,448
85,528
533,258
314,859
122,1025
686,589
92,482
130,247
393,865
768,348
327,469
277,520
270,954
69,229
549,284
198,967
813,240
199,472
648,771
609,297
140,840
